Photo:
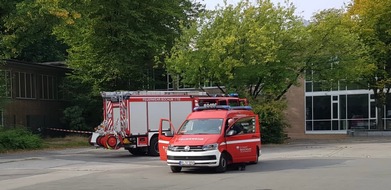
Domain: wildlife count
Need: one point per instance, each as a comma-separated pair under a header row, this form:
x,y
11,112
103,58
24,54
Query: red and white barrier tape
x,y
71,131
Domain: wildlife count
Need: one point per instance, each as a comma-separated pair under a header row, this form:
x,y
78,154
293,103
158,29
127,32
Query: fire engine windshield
x,y
201,126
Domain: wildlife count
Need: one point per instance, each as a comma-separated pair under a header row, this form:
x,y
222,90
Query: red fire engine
x,y
131,118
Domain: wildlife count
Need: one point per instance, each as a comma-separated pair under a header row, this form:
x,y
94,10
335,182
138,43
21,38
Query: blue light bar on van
x,y
220,107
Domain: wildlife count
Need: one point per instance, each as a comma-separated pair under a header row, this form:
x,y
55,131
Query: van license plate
x,y
186,163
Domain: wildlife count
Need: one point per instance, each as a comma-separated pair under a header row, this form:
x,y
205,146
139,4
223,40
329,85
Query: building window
x,y
5,82
25,85
358,111
49,89
342,110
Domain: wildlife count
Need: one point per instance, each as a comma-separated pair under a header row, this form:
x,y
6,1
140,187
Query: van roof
x,y
218,113
222,107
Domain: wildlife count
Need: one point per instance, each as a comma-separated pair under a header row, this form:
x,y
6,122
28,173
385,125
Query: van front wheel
x,y
222,163
175,169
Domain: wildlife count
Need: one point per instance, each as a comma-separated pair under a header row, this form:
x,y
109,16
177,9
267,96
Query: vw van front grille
x,y
197,148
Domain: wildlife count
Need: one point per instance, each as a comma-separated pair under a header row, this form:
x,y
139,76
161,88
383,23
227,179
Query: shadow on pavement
x,y
273,165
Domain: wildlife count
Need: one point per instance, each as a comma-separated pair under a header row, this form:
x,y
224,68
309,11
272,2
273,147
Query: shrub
x,y
272,121
19,139
73,117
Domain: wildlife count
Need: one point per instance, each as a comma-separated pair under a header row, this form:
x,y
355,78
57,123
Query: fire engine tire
x,y
136,151
222,163
175,169
153,149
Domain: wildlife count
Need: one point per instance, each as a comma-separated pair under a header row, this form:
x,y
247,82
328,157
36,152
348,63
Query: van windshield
x,y
201,126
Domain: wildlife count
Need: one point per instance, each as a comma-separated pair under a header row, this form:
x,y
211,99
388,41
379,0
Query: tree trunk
x,y
380,111
379,122
379,102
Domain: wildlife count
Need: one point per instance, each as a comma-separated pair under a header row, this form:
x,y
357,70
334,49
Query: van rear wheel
x,y
223,162
176,169
257,158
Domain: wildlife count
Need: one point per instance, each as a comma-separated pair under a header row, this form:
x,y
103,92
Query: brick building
x,y
33,95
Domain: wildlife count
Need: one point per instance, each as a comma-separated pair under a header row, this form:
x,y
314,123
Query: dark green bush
x,y
73,116
272,121
19,139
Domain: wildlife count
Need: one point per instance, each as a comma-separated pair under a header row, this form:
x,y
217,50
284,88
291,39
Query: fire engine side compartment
x,y
144,116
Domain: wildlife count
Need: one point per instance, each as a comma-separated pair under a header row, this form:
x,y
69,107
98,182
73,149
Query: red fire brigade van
x,y
205,138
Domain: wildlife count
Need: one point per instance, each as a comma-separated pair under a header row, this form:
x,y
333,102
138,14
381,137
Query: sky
x,y
305,8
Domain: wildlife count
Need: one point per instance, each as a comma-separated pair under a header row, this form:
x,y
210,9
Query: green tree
x,y
113,43
372,22
253,49
248,48
334,51
27,33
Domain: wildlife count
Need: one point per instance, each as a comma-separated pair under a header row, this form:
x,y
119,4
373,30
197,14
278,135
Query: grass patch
x,y
73,141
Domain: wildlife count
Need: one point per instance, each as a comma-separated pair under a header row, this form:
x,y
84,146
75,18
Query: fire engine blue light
x,y
233,94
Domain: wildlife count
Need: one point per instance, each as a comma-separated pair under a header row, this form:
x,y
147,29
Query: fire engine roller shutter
x,y
138,117
156,111
116,117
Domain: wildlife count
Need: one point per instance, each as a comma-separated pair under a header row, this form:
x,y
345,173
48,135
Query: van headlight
x,y
213,146
172,147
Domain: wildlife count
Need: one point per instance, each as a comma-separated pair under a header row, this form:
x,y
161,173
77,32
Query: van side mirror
x,y
231,132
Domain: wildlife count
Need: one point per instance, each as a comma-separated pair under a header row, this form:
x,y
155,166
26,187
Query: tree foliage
x,y
109,45
334,50
113,43
27,33
371,20
247,47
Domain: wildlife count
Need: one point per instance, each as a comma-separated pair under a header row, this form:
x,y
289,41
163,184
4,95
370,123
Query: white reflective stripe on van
x,y
240,141
164,142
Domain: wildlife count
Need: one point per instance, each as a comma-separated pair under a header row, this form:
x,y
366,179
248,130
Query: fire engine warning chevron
x,y
131,118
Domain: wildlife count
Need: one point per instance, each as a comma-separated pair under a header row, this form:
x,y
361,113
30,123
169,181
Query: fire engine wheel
x,y
153,149
137,151
175,169
222,163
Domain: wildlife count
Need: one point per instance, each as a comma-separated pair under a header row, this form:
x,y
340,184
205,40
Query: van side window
x,y
246,124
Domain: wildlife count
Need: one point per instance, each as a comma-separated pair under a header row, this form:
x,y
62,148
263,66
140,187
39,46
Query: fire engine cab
x,y
131,118
208,138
